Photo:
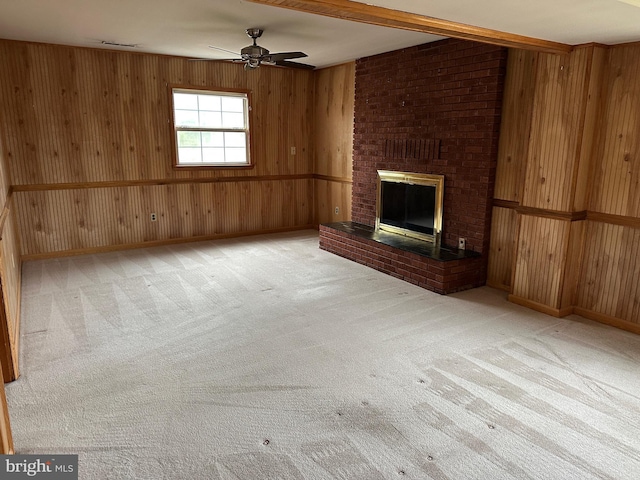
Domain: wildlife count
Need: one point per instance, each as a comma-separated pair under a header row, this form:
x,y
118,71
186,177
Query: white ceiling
x,y
187,27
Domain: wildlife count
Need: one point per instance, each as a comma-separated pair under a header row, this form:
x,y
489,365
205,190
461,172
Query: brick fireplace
x,y
434,109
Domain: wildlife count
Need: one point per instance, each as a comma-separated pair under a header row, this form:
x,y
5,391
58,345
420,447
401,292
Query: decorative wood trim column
x,y
552,212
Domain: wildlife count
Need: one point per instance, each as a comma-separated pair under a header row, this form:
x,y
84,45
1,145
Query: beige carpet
x,y
268,358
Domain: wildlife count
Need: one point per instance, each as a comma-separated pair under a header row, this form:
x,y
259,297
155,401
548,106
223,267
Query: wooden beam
x,y
386,17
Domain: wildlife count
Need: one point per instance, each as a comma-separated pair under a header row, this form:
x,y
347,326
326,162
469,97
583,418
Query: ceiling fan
x,y
254,55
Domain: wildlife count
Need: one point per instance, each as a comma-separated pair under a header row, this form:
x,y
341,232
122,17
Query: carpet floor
x,y
268,358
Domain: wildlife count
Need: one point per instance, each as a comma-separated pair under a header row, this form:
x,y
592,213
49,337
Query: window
x,y
211,128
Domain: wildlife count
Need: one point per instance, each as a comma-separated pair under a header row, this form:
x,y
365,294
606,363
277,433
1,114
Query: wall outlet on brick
x,y
462,243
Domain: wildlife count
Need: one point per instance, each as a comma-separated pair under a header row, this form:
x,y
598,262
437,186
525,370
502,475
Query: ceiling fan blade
x,y
234,60
276,57
304,66
224,50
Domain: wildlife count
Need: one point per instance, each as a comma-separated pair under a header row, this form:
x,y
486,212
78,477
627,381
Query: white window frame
x,y
245,129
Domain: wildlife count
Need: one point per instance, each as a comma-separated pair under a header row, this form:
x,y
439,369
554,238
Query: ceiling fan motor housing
x,y
253,51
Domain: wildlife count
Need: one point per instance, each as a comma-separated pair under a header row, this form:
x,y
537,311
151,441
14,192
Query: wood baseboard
x,y
160,243
583,312
607,319
499,286
540,307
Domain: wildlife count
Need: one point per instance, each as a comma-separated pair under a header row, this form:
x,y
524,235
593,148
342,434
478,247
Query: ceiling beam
x,y
386,17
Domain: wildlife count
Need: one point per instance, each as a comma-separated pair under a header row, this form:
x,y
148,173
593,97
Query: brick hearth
x,y
440,270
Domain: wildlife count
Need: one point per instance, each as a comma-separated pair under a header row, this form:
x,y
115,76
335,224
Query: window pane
x,y
232,120
235,139
235,155
213,155
189,155
210,119
209,102
186,118
210,115
185,101
212,139
188,139
233,104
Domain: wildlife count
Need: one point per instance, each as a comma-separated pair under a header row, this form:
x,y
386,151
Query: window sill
x,y
216,166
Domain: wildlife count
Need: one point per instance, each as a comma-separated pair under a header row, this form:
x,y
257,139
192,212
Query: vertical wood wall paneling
x,y
333,141
82,219
574,254
330,195
108,114
515,126
616,182
541,259
589,122
593,105
504,224
10,273
556,129
333,135
588,160
611,273
87,115
11,281
609,289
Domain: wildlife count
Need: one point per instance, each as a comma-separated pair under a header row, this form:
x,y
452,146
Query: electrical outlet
x,y
154,217
337,210
462,243
293,150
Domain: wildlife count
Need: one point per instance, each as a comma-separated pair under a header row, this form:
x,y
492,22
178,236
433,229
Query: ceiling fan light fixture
x,y
252,63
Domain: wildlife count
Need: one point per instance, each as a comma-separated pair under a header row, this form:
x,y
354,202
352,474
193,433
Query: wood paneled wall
x,y
558,119
89,142
616,176
609,288
333,142
329,196
11,280
610,283
79,220
10,277
515,128
540,238
89,115
515,125
504,226
569,170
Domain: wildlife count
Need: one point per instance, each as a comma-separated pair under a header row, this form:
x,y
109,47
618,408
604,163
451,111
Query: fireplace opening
x,y
410,204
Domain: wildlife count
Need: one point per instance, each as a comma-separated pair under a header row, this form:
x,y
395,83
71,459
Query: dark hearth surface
x,y
408,244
